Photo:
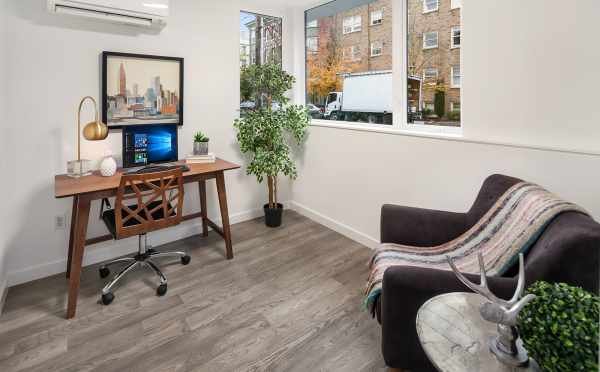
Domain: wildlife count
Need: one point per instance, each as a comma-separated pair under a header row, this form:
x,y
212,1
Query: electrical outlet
x,y
60,222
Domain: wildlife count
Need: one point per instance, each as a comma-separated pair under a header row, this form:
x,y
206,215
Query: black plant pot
x,y
273,215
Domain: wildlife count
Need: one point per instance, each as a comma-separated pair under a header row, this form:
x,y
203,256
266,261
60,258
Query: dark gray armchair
x,y
567,251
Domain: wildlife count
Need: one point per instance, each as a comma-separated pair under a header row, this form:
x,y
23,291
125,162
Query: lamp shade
x,y
95,131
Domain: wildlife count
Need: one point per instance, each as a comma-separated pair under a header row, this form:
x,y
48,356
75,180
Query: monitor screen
x,y
149,144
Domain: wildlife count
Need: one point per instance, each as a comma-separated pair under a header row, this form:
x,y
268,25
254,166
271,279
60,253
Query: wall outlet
x,y
60,222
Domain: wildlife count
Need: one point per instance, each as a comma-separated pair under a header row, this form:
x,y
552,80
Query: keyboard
x,y
157,168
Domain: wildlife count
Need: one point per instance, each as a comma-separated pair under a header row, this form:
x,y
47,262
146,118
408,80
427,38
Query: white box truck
x,y
366,97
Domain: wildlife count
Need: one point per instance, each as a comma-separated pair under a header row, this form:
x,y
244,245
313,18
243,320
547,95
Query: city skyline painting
x,y
141,89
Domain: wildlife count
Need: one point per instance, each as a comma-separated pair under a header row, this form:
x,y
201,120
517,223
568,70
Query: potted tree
x,y
264,132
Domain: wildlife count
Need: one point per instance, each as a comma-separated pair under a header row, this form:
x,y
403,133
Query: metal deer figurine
x,y
507,346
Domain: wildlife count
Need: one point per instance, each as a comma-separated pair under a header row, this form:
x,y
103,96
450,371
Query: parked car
x,y
314,111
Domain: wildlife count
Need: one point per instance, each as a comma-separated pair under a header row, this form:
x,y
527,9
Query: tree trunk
x,y
271,185
258,40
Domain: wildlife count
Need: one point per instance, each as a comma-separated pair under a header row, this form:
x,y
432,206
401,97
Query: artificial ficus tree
x,y
265,131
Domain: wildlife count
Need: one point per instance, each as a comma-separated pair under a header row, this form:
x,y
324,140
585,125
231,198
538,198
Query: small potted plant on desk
x,y
200,144
265,130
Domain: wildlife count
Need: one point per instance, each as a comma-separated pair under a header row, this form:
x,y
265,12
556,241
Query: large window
x,y
260,43
349,78
349,74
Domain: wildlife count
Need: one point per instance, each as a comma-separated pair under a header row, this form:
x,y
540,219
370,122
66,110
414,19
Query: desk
x,y
86,189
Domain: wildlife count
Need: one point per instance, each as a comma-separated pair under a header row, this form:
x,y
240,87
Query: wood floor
x,y
290,300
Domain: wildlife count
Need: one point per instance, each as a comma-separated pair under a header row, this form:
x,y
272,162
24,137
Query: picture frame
x,y
140,89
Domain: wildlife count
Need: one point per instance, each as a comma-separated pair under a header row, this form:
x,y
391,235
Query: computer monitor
x,y
149,144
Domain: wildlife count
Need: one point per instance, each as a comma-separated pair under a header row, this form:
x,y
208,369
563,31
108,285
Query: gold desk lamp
x,y
93,131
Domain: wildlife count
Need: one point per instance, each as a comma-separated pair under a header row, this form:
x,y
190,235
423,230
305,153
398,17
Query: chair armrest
x,y
405,290
420,227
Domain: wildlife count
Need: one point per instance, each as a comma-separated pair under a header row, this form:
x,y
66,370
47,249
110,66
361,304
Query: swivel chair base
x,y
142,259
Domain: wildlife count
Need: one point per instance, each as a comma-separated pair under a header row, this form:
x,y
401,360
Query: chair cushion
x,y
109,216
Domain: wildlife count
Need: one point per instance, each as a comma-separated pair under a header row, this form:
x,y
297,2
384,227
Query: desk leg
x,y
72,233
224,213
203,212
83,212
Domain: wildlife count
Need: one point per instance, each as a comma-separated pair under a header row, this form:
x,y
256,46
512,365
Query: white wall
x,y
54,61
530,77
4,163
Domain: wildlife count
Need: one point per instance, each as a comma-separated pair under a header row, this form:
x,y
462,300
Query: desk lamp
x,y
93,131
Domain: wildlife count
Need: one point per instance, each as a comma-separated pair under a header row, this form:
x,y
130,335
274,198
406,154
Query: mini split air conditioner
x,y
144,13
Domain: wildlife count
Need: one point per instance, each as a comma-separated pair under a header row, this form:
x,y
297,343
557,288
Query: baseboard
x,y
3,293
335,225
111,249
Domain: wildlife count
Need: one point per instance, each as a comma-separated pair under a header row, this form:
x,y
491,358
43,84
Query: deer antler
x,y
482,287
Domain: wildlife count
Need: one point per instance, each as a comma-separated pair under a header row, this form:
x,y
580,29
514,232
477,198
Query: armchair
x,y
567,251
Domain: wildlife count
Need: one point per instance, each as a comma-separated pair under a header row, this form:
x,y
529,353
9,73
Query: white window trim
x,y
455,4
373,48
372,19
452,45
437,73
425,10
452,85
437,40
354,27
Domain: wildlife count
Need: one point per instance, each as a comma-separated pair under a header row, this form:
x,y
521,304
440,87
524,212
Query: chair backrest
x,y
159,202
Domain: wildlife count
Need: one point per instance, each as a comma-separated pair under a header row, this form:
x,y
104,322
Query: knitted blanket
x,y
510,227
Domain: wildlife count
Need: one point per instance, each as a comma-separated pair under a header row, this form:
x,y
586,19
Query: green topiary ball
x,y
560,327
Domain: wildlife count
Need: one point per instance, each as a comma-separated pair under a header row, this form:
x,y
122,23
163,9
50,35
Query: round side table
x,y
455,337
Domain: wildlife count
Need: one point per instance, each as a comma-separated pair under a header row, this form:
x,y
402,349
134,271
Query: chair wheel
x,y
108,298
104,272
161,290
185,260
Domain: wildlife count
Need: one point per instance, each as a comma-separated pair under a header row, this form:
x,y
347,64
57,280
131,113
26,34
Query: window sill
x,y
419,133
430,47
430,11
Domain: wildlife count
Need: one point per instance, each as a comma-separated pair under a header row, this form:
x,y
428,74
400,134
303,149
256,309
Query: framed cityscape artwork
x,y
141,89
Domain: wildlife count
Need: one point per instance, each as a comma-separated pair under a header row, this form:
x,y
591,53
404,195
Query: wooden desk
x,y
86,189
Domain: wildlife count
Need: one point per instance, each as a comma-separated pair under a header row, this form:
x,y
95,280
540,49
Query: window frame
x,y
452,36
354,25
380,48
437,73
437,40
380,19
399,52
452,68
426,10
455,4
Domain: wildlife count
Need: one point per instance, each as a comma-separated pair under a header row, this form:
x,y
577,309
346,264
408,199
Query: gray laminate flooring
x,y
290,300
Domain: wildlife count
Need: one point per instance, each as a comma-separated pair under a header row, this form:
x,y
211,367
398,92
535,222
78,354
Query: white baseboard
x,y
3,293
111,249
335,225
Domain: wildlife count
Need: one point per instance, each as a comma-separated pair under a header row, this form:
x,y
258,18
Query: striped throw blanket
x,y
510,227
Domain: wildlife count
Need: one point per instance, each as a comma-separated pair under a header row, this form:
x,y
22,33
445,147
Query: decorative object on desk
x,y
507,346
560,327
108,166
93,131
264,130
200,159
141,89
200,144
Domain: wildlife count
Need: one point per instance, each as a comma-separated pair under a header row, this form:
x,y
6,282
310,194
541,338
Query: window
x,y
312,44
312,24
430,40
376,48
352,24
455,76
376,17
430,6
352,53
455,4
430,74
260,43
338,78
429,106
455,106
455,37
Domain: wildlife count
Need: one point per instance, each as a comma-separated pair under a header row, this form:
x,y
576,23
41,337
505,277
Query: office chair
x,y
159,197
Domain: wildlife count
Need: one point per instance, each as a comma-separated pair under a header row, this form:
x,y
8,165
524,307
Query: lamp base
x,y
79,168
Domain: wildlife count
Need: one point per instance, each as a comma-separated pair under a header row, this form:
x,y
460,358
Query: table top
x,y
455,337
65,186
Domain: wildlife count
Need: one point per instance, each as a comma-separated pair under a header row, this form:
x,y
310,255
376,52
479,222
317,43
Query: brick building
x,y
363,36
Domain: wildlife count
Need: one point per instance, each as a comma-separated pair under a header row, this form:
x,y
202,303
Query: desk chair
x,y
159,197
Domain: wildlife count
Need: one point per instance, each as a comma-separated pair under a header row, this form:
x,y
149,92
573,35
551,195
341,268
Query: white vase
x,y
108,166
